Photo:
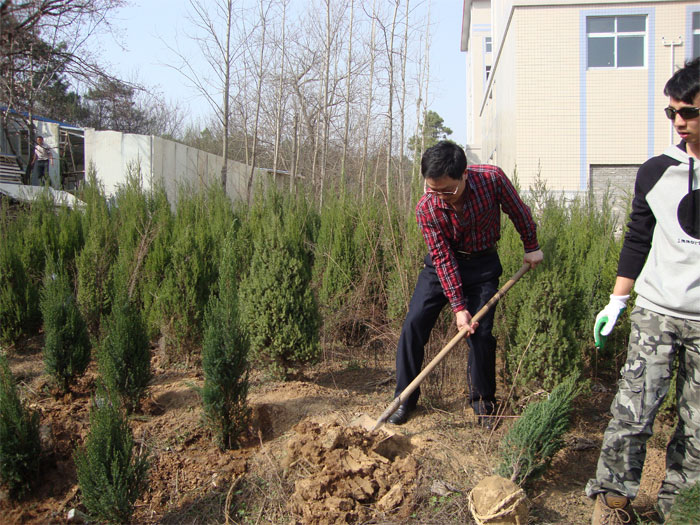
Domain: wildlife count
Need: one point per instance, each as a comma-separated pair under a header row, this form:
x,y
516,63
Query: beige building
x,y
572,90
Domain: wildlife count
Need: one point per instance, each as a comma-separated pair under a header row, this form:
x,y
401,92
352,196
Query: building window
x,y
487,71
616,41
696,35
487,44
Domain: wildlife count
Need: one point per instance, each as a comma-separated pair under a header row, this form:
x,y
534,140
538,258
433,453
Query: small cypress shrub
x,y
225,356
530,444
95,260
686,507
14,287
124,356
198,230
19,436
110,475
553,312
278,310
66,339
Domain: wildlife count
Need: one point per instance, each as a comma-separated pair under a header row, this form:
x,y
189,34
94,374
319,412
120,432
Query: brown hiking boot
x,y
612,509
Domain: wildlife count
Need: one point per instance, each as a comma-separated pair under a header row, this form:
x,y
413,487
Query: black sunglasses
x,y
686,112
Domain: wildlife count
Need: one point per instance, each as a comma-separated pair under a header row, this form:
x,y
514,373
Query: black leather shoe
x,y
483,410
400,416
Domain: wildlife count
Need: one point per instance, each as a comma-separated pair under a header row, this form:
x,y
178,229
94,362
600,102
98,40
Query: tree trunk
x,y
261,70
346,132
368,119
390,114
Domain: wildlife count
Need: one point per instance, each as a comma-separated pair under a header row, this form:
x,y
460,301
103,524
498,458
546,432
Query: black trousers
x,y
479,284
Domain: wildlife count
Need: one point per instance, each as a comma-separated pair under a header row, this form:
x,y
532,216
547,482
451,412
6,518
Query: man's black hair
x,y
684,85
444,158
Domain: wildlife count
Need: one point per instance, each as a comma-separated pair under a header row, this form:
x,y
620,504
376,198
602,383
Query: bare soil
x,y
302,461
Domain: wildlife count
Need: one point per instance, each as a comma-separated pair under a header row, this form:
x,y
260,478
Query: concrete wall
x,y
177,166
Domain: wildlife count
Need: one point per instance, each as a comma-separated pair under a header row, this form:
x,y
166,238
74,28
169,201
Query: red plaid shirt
x,y
476,227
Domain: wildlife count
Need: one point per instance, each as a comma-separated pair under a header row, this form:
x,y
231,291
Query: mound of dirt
x,y
345,474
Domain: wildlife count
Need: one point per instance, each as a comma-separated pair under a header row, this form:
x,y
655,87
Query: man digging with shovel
x,y
460,218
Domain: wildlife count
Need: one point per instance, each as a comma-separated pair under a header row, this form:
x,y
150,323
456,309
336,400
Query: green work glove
x,y
606,319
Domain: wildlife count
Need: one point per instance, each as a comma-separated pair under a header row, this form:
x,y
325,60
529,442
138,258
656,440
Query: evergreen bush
x,y
405,250
14,285
200,225
545,324
124,356
686,507
66,339
278,310
111,476
225,356
27,237
530,444
348,267
20,448
156,265
95,260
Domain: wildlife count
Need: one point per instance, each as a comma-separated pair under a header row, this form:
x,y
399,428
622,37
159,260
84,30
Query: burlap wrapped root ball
x,y
498,501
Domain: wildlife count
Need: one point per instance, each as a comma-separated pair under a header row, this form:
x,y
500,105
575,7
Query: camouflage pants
x,y
655,341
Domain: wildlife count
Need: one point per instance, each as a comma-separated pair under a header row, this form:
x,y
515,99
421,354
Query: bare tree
x,y
348,82
280,87
259,84
402,120
38,41
219,50
368,114
390,109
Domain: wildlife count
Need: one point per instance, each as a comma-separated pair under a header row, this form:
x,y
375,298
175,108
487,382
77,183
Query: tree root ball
x,y
498,501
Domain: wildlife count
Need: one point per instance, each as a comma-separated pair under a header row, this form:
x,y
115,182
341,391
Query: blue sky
x,y
144,24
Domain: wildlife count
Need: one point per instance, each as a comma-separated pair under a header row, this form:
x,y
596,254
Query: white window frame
x,y
694,32
615,34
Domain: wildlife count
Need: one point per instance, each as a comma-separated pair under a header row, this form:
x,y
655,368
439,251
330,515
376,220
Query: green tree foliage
x,y
200,225
279,313
27,237
530,444
139,216
225,355
156,263
433,130
124,356
95,261
545,323
686,507
66,339
14,285
19,437
348,269
111,476
201,222
404,250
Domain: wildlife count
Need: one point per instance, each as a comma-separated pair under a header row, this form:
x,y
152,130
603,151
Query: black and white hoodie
x,y
661,250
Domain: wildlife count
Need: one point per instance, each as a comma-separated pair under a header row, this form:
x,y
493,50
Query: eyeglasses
x,y
426,189
686,112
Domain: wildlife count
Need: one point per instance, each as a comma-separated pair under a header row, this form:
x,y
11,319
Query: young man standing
x,y
660,258
44,157
460,218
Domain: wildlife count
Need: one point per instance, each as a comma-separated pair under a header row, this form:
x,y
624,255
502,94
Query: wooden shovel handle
x,y
401,398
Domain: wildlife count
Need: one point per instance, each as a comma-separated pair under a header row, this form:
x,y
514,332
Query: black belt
x,y
466,256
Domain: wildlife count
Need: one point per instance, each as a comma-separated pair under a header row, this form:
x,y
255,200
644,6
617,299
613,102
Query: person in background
x,y
660,259
44,157
460,218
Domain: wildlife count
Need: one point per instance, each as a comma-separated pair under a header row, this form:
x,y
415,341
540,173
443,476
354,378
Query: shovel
x,y
363,420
